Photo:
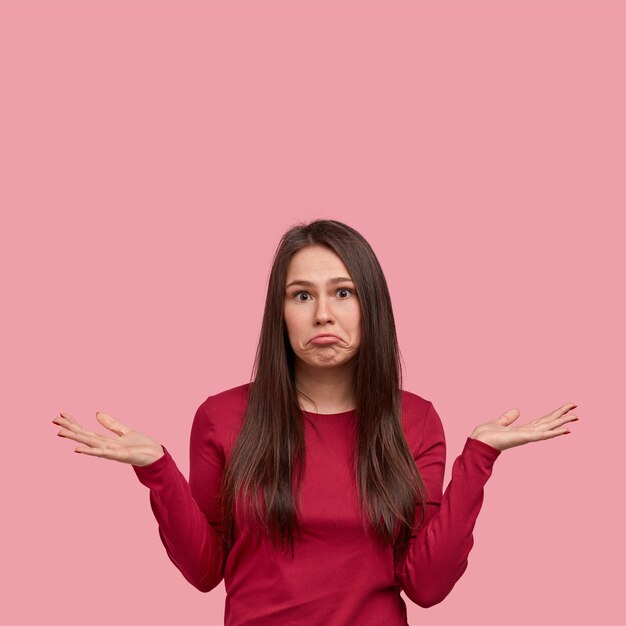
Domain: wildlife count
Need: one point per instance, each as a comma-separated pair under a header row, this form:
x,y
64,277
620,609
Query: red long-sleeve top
x,y
341,575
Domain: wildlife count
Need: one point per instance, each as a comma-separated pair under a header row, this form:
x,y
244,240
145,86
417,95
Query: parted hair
x,y
263,475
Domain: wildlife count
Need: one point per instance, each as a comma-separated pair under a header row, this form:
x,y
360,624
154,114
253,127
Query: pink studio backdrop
x,y
153,153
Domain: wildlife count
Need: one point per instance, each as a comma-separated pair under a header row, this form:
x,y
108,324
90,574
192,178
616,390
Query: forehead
x,y
315,262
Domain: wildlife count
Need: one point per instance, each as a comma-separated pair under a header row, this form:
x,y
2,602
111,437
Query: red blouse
x,y
341,575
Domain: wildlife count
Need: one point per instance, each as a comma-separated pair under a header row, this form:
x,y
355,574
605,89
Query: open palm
x,y
501,435
128,446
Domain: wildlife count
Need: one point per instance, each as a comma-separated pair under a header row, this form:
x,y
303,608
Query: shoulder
x,y
223,411
234,398
420,420
413,404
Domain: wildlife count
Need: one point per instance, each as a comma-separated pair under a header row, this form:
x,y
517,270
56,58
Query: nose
x,y
323,313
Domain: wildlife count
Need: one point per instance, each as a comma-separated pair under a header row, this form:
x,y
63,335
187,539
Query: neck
x,y
331,389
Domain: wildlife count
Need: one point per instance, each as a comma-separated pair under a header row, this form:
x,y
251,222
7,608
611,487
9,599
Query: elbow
x,y
437,589
426,600
206,583
206,586
426,604
205,580
204,573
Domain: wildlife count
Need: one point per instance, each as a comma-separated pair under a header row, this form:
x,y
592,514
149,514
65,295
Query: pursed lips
x,y
325,335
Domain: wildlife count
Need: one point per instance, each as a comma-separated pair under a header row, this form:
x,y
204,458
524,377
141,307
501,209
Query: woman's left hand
x,y
501,435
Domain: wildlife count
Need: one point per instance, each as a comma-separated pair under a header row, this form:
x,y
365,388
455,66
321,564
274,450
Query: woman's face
x,y
320,304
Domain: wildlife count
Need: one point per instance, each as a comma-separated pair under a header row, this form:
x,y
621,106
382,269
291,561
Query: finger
x,y
68,434
108,422
549,434
74,426
105,453
91,440
68,417
64,419
508,417
564,419
562,410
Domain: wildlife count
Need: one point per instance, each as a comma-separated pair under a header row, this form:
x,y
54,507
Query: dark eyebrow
x,y
331,281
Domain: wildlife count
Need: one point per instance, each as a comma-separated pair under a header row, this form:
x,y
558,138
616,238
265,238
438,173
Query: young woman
x,y
315,490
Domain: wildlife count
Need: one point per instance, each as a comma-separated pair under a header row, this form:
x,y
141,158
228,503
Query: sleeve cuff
x,y
482,448
155,473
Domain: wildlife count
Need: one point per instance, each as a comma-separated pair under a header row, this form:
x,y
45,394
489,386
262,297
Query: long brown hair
x,y
269,454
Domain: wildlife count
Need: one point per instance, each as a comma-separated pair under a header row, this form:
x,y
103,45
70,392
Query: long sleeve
x,y
187,512
438,553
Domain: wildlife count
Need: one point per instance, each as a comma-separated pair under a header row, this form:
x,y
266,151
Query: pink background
x,y
153,153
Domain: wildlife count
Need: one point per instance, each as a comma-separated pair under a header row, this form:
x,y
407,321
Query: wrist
x,y
484,440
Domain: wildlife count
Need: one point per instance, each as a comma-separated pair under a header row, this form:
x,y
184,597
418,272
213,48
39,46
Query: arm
x,y
438,552
187,521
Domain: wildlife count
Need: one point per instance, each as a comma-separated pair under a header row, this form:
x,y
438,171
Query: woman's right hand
x,y
129,446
